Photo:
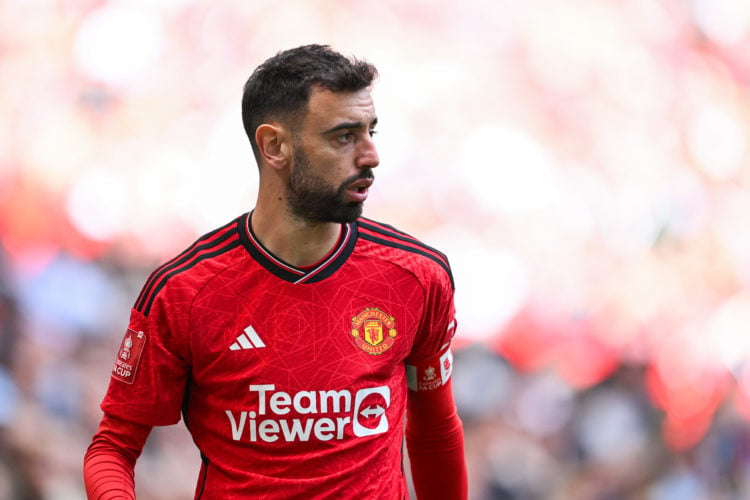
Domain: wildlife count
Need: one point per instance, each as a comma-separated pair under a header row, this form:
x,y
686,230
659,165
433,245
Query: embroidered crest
x,y
129,356
373,330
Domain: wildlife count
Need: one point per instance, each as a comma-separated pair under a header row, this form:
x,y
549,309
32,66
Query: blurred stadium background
x,y
584,163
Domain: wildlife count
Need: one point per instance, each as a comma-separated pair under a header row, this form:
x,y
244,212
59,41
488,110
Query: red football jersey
x,y
292,382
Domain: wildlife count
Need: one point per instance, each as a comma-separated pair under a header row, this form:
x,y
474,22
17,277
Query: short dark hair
x,y
280,87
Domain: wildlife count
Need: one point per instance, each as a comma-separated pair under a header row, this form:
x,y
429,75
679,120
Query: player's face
x,y
334,157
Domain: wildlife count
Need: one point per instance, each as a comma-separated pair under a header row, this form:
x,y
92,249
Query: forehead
x,y
326,108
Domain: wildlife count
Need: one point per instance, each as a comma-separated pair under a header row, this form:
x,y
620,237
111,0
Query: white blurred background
x,y
584,163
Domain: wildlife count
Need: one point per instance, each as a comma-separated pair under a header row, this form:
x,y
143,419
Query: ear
x,y
274,143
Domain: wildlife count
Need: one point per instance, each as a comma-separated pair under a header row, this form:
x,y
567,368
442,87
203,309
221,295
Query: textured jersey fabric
x,y
292,382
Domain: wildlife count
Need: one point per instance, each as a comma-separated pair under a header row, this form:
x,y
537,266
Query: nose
x,y
368,153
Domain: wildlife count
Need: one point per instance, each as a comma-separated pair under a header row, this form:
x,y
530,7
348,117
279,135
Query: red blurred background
x,y
585,164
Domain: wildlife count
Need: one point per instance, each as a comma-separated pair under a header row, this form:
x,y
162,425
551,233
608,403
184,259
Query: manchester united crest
x,y
373,330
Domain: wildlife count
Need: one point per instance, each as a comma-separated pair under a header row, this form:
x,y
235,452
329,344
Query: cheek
x,y
332,168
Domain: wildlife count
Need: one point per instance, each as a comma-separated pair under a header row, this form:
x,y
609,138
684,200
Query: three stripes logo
x,y
248,339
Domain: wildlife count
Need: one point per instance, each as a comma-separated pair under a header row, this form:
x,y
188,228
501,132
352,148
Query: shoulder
x,y
405,250
191,268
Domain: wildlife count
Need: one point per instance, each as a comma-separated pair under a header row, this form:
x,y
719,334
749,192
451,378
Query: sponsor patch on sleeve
x,y
430,374
129,356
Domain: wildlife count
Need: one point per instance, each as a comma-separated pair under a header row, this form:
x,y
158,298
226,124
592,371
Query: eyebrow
x,y
350,125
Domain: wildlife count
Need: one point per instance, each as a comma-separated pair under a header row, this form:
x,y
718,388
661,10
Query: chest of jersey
x,y
335,331
325,358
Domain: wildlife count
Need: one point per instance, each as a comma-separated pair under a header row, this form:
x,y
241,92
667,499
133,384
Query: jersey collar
x,y
294,274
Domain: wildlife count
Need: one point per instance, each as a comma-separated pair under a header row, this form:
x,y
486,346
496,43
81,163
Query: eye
x,y
345,137
373,132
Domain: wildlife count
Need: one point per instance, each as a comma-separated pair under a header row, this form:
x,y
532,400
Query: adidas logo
x,y
249,339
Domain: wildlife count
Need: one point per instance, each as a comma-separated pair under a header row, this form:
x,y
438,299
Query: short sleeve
x,y
438,322
150,370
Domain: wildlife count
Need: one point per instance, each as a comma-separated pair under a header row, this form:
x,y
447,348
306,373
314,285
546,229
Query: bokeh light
x,y
585,165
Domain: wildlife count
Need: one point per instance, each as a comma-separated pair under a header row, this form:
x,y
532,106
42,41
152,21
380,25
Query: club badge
x,y
373,330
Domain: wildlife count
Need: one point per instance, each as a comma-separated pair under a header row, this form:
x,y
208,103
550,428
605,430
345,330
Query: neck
x,y
300,243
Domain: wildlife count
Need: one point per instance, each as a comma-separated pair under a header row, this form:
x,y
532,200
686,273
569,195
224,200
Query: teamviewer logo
x,y
369,411
301,416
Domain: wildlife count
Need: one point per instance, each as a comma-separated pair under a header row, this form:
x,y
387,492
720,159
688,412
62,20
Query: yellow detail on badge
x,y
373,330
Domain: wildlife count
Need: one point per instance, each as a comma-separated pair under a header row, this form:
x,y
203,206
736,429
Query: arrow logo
x,y
372,412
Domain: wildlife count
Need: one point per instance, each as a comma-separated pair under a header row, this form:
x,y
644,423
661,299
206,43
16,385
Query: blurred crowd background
x,y
584,163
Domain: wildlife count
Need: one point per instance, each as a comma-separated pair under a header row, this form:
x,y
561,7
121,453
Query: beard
x,y
311,198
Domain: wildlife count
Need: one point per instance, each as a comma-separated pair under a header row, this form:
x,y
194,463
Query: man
x,y
287,338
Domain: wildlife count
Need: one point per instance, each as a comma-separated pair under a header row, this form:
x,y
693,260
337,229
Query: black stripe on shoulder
x,y
392,232
146,309
372,224
204,242
393,244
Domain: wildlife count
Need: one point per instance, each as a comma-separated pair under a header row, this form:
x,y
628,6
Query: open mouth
x,y
362,185
358,189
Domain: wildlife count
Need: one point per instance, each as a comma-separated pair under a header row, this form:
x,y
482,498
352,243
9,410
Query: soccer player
x,y
297,339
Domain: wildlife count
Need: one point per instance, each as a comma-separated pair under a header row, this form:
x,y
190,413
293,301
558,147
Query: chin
x,y
350,213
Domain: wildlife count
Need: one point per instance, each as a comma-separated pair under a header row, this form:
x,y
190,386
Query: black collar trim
x,y
294,274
